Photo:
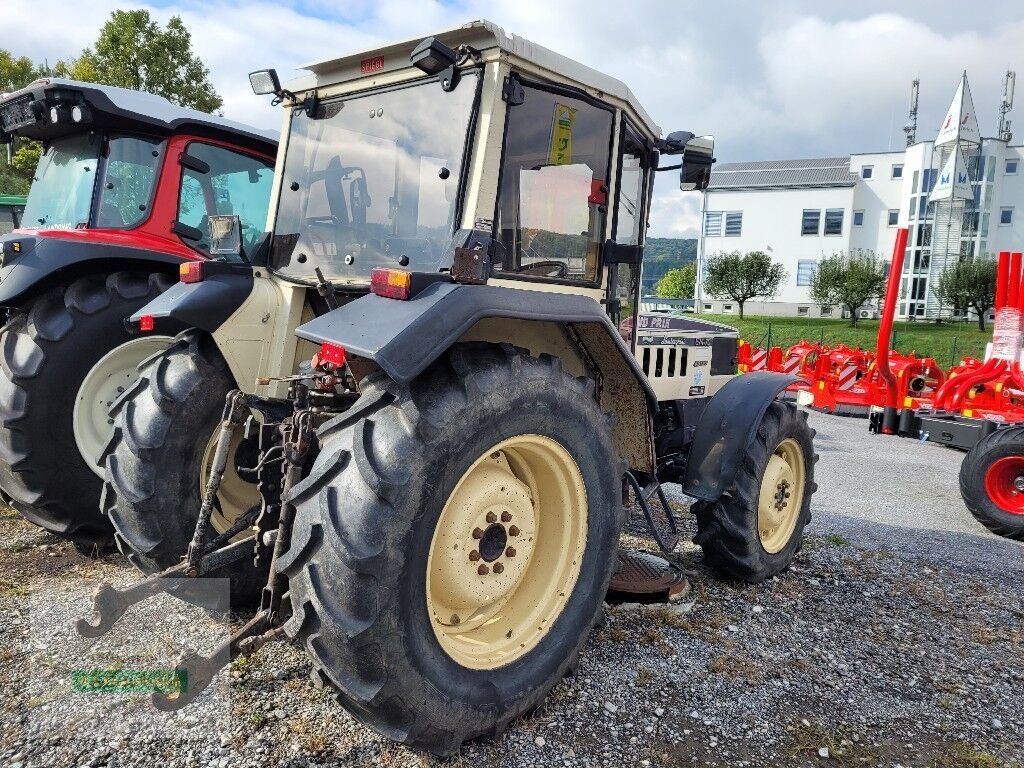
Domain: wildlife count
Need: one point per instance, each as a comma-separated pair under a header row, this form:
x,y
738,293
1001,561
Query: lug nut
x,y
498,567
506,516
477,533
483,570
474,555
455,620
513,531
510,552
491,517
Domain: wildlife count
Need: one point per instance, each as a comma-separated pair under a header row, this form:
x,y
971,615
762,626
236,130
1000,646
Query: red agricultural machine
x,y
978,408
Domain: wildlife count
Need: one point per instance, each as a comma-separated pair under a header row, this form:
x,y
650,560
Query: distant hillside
x,y
662,254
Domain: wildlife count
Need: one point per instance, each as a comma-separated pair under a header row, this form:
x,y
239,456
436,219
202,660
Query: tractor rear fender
x,y
204,305
726,429
33,263
404,337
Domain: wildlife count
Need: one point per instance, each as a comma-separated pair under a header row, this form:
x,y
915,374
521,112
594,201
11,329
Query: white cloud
x,y
795,78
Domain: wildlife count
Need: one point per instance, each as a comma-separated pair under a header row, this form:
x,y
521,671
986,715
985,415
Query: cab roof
x,y
121,109
485,36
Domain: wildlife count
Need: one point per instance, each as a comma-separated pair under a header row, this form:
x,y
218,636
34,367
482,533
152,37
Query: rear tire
x,y
161,429
389,474
742,539
987,477
44,355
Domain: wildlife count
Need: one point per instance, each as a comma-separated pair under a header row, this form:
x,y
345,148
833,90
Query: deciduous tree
x,y
741,277
969,284
848,279
677,283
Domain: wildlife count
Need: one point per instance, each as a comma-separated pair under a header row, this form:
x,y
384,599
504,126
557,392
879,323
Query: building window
x,y
727,308
802,311
858,218
834,221
1011,167
922,210
867,171
810,222
707,307
1005,216
897,171
805,271
826,311
894,216
733,223
930,177
713,224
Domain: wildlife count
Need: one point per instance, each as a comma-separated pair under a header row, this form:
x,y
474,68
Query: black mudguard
x,y
726,429
29,260
404,337
205,305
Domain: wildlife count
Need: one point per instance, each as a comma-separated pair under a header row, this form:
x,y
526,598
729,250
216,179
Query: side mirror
x,y
225,236
695,169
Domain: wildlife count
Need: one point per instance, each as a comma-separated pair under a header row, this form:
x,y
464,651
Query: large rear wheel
x,y
158,459
992,482
62,363
453,543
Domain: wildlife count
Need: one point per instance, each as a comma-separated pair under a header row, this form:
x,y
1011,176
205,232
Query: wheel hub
x,y
113,373
781,496
1004,484
506,551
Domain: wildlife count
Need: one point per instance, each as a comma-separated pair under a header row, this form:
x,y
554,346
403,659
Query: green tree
x,y
15,177
848,279
133,51
969,284
743,276
678,283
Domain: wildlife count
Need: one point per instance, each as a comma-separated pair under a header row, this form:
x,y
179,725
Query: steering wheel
x,y
545,269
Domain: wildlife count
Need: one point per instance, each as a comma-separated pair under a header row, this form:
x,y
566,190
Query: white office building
x,y
800,211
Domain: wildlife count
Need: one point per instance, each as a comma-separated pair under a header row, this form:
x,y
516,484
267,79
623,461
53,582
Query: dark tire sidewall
x,y
972,481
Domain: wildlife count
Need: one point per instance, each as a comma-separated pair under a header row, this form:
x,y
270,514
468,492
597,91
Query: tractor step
x,y
640,577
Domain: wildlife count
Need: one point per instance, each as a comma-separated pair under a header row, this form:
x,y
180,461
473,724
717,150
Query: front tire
x,y
403,588
154,463
992,482
47,358
756,528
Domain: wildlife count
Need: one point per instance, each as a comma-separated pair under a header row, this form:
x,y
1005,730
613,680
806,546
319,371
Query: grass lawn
x,y
944,341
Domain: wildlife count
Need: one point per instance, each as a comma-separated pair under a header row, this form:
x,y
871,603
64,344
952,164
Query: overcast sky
x,y
777,80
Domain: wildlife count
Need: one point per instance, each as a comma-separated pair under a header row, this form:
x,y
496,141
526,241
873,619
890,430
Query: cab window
x,y
553,199
235,184
129,179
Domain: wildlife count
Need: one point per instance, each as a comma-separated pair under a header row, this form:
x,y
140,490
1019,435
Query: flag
x,y
960,120
953,182
560,151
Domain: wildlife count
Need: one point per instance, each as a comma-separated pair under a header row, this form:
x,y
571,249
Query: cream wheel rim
x,y
506,552
114,373
235,496
781,496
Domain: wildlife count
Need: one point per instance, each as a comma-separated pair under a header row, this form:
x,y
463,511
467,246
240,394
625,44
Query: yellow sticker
x,y
562,121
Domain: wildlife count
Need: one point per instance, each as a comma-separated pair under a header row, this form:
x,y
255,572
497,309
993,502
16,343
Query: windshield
x,y
62,190
61,193
372,182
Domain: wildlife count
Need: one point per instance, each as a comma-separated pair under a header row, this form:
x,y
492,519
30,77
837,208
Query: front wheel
x,y
754,530
992,482
453,542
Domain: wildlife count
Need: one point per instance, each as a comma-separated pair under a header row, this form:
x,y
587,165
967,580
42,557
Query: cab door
x,y
629,227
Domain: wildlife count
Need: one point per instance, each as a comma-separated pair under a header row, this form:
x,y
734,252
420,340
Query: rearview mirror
x,y
695,169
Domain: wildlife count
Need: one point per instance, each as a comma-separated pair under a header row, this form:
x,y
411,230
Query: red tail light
x,y
191,272
146,323
391,283
332,353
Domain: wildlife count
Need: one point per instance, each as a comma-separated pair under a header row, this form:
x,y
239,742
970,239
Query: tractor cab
x,y
102,176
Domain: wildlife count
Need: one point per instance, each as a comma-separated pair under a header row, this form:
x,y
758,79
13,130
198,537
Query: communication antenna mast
x,y
1009,81
911,127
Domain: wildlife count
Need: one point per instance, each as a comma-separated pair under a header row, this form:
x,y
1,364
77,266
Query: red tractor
x,y
121,198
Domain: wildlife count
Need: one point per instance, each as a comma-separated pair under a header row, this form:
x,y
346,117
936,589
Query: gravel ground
x,y
895,640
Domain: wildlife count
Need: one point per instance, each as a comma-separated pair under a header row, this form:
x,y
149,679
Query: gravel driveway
x,y
896,639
